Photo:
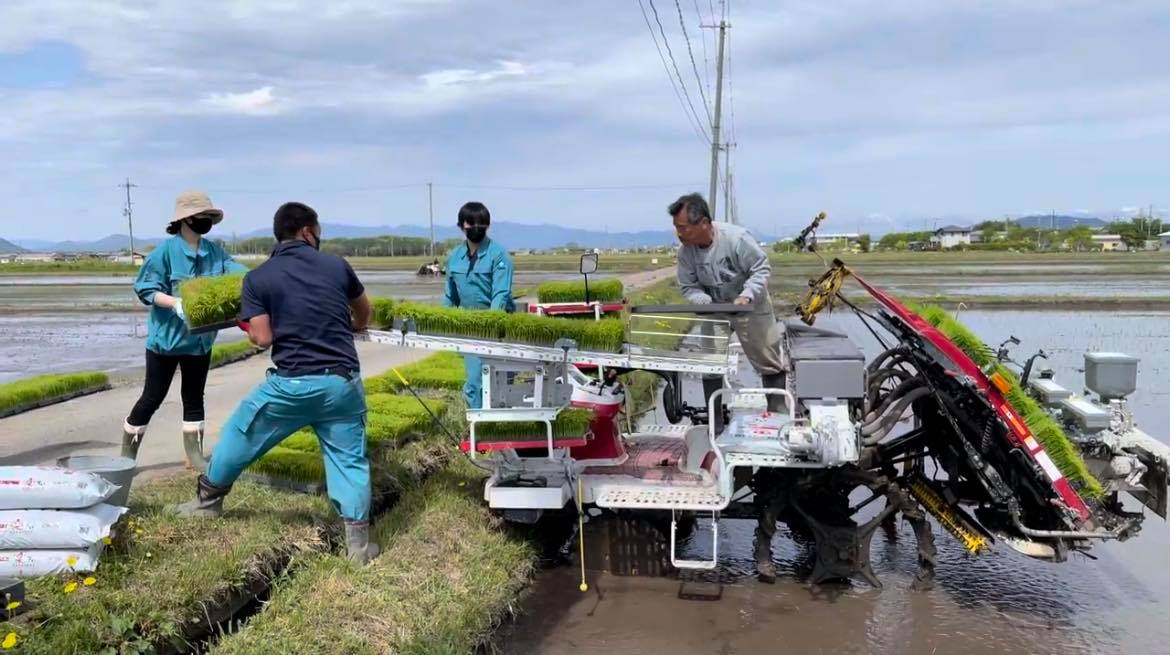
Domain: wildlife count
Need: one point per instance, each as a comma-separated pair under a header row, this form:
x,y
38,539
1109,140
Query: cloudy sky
x,y
877,112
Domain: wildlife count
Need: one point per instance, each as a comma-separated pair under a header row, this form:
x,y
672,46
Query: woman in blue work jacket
x,y
479,276
169,345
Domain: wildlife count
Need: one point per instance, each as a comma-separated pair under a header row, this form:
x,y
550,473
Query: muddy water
x,y
1151,287
1000,603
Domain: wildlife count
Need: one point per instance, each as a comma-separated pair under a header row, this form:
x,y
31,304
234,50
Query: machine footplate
x,y
639,497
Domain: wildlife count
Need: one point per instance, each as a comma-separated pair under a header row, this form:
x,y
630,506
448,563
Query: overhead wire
x,y
694,67
678,74
703,40
691,117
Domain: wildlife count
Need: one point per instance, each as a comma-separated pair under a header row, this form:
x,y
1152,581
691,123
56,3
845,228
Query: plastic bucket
x,y
118,470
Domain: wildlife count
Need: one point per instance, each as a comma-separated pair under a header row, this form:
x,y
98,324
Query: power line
x,y
569,187
438,185
703,40
694,67
674,63
698,128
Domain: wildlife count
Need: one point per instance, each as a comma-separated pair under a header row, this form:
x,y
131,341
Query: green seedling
x,y
609,290
211,300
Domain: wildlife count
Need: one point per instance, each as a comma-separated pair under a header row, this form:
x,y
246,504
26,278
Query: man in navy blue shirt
x,y
306,305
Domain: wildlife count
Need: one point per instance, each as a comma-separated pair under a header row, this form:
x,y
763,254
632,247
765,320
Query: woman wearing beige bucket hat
x,y
169,346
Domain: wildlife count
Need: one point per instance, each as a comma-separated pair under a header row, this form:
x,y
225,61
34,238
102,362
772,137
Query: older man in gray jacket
x,y
722,263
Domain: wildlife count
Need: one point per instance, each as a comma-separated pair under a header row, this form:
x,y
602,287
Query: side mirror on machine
x,y
588,266
589,263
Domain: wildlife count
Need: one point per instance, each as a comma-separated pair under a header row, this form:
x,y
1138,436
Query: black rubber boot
x,y
765,570
208,501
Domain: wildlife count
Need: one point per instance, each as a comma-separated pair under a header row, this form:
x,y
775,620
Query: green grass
x,y
163,574
94,266
30,391
1060,448
447,576
224,353
209,300
610,290
569,423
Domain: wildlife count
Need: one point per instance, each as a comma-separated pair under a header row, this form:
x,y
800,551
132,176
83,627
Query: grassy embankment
x,y
446,575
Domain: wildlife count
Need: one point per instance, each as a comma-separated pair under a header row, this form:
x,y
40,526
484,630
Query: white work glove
x,y
178,307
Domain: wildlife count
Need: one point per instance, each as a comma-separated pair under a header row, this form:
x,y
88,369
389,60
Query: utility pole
x,y
431,213
715,122
129,214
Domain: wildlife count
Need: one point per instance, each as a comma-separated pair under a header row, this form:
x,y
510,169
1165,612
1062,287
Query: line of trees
x,y
381,246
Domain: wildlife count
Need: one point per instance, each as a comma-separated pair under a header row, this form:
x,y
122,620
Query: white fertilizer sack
x,y
35,563
57,529
45,487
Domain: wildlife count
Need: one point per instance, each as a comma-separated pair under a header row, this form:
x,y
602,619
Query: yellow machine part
x,y
972,539
822,291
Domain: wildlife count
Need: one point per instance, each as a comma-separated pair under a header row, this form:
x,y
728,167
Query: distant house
x,y
951,236
1164,241
1109,242
37,257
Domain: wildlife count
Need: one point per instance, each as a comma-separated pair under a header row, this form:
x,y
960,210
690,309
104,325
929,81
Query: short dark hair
x,y
290,218
173,228
695,206
474,212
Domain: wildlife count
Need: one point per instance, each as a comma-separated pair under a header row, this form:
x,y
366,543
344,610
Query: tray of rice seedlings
x,y
1044,427
22,395
608,290
383,315
443,371
606,335
452,321
211,303
572,423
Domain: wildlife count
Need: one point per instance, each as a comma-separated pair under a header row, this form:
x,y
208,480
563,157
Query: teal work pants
x,y
473,387
336,410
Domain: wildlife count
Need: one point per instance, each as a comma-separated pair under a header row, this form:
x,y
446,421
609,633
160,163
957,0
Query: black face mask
x,y
201,225
476,233
316,242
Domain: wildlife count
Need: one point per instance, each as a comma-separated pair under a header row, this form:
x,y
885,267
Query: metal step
x,y
705,499
661,431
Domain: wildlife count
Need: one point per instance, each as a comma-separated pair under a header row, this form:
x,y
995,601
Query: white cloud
x,y
458,76
257,102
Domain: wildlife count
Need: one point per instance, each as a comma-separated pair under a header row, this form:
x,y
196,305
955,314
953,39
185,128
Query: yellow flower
x,y
13,605
90,581
9,641
71,587
71,560
107,541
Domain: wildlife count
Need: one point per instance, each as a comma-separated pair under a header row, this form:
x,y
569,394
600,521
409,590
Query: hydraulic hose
x,y
899,391
878,379
880,359
876,431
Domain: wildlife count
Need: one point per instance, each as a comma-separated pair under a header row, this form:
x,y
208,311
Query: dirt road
x,y
93,424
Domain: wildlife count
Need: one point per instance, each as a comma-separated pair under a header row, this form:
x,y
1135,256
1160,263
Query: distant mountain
x,y
8,247
1059,222
515,236
112,243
